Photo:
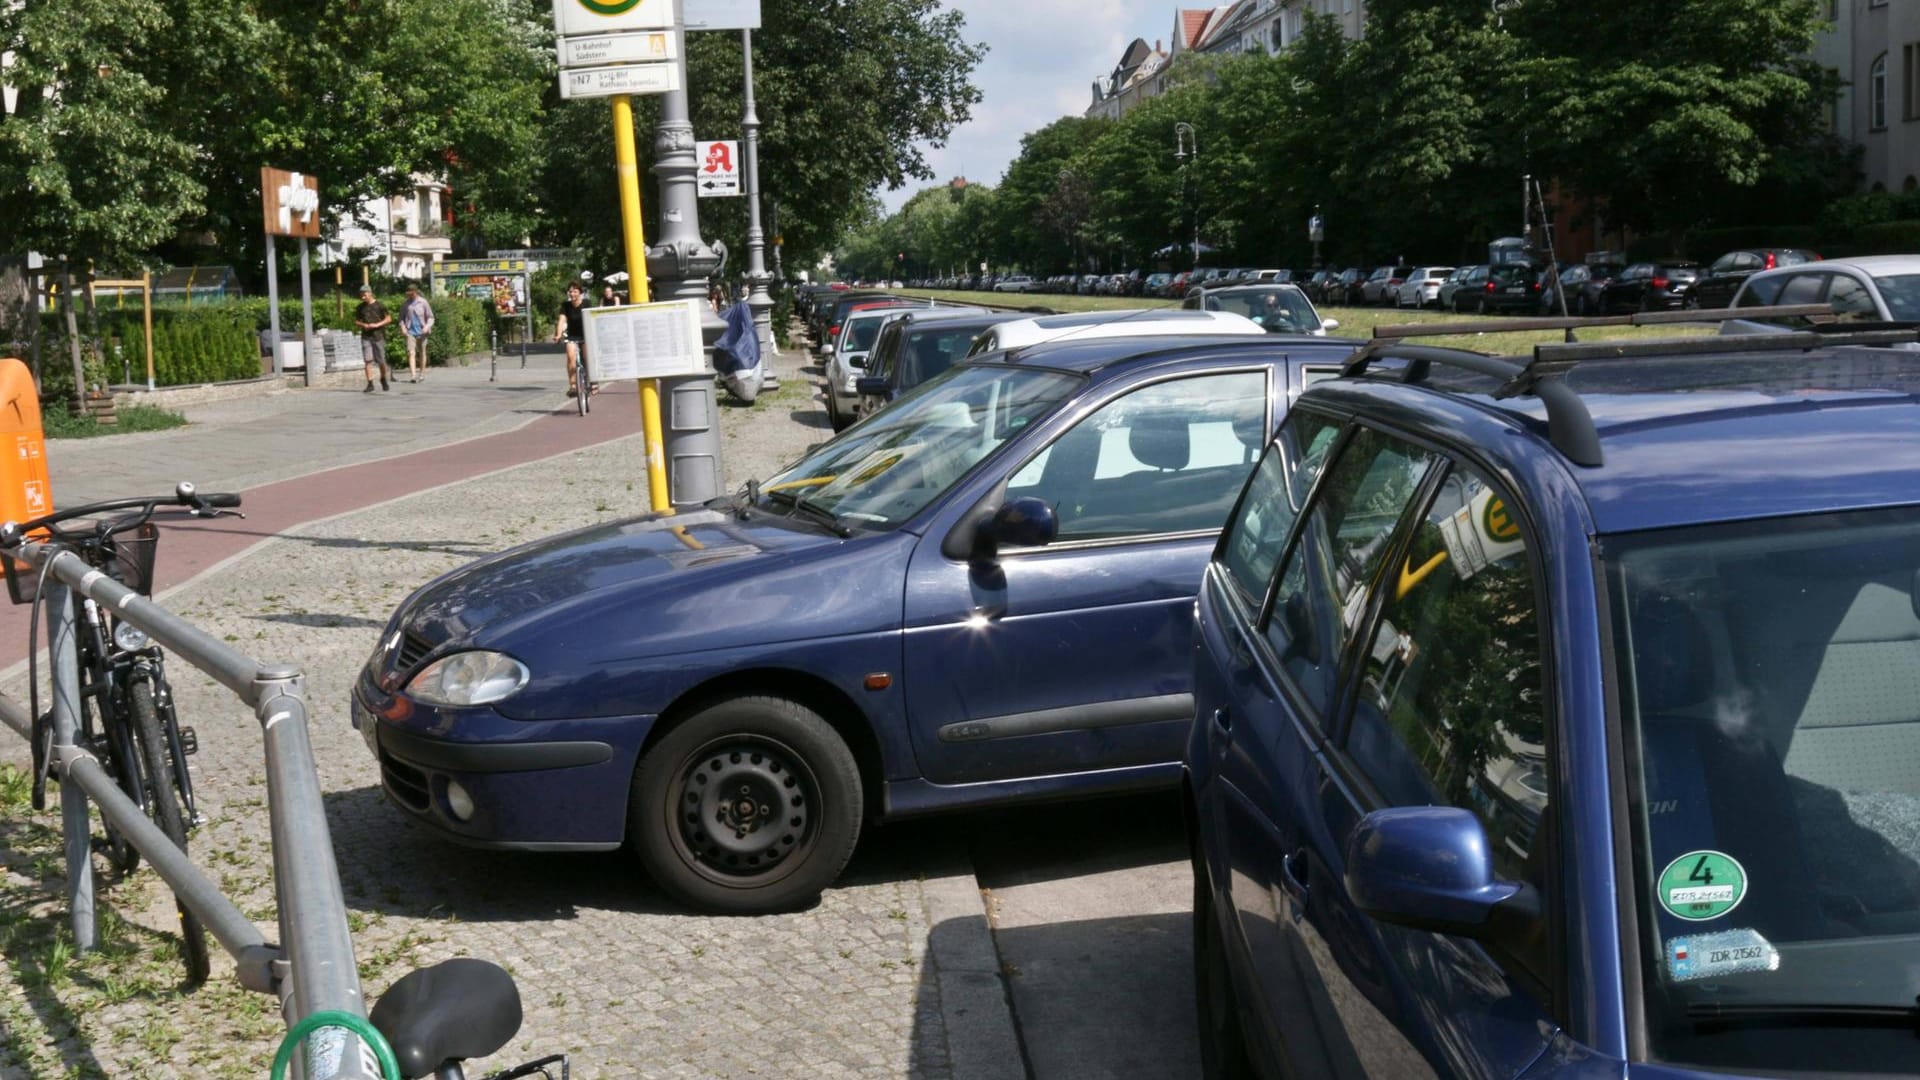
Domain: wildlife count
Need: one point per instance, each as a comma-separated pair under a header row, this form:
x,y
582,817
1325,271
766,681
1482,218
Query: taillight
x,y
1536,286
1771,261
1660,283
1492,285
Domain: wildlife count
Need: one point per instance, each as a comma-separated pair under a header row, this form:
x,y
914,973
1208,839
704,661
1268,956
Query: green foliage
x,y
848,93
1707,244
1887,238
60,423
1412,140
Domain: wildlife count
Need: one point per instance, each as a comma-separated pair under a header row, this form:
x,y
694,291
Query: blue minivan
x,y
1562,720
982,595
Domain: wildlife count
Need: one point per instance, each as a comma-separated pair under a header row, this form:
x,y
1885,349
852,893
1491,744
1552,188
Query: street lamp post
x,y
1186,150
757,278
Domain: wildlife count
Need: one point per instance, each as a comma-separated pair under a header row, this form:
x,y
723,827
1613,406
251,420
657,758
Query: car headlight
x,y
468,678
129,637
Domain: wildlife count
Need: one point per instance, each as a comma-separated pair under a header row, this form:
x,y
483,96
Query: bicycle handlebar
x,y
12,533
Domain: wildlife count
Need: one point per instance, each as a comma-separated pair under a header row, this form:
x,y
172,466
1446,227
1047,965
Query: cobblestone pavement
x,y
608,970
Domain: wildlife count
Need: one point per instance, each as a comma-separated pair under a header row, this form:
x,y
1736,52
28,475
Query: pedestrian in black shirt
x,y
372,319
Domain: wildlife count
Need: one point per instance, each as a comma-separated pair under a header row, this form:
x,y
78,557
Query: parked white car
x,y
1422,287
1871,288
1016,283
1130,322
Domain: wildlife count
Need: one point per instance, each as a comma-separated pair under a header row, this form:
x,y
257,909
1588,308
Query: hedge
x,y
205,343
1887,238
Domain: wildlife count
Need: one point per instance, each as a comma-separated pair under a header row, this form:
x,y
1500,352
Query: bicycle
x,y
437,1017
577,373
127,718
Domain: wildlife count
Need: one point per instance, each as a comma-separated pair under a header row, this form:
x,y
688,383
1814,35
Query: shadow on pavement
x,y
813,418
1053,841
319,620
444,880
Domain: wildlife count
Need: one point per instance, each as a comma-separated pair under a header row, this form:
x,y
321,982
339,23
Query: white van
x,y
1132,322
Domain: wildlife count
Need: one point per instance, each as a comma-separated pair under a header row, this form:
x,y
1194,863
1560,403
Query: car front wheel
x,y
750,806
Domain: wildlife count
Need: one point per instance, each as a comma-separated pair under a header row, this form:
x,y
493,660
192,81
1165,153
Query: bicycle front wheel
x,y
580,384
165,805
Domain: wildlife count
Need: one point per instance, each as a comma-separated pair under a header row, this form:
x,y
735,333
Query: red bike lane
x,y
190,546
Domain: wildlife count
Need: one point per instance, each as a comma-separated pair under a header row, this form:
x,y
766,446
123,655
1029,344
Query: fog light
x,y
458,801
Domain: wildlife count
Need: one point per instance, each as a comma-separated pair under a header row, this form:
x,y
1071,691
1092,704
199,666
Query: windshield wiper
x,y
817,513
1808,1012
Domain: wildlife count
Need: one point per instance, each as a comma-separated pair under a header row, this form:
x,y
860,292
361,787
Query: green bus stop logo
x,y
1702,885
609,7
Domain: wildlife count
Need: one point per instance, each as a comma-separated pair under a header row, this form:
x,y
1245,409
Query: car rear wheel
x,y
835,418
750,806
1223,1047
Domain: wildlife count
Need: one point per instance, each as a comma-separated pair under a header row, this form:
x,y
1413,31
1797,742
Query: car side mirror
x,y
826,350
1021,522
870,386
1330,324
1428,867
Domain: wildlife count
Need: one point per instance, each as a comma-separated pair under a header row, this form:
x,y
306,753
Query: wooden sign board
x,y
291,202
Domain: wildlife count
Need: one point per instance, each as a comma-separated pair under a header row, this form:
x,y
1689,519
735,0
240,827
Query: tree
x,y
86,172
1664,112
846,92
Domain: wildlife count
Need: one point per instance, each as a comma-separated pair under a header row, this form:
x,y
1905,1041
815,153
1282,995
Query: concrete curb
x,y
982,1041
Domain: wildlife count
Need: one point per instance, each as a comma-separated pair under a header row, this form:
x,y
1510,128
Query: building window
x,y
1910,81
1877,94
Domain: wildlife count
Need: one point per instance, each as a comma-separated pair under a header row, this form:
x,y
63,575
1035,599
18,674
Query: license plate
x,y
1515,290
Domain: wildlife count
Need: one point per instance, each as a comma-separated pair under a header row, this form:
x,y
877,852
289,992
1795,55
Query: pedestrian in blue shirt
x,y
416,321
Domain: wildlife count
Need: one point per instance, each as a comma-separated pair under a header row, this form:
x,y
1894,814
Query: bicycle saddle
x,y
458,1009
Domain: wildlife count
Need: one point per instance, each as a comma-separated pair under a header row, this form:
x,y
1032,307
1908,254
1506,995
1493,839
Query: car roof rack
x,y
1570,425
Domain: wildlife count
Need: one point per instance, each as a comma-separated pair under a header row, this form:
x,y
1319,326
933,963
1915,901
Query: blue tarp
x,y
736,355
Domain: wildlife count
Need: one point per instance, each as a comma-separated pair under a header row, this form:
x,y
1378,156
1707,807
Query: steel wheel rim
x,y
745,810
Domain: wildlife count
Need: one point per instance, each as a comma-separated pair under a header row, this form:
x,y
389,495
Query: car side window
x,y
1802,289
1451,707
1166,458
1760,292
1851,301
1340,545
1258,532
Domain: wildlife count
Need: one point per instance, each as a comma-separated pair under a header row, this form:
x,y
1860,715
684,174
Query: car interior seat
x,y
1712,779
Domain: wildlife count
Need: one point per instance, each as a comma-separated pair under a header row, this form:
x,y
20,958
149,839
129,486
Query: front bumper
x,y
535,785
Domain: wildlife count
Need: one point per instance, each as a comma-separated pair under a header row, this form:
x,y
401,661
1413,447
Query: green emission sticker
x,y
609,7
1702,885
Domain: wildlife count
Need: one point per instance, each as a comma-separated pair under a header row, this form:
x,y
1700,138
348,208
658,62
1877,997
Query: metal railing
x,y
312,970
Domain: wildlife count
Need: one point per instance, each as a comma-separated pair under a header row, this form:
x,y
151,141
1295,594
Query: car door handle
x,y
1290,875
1223,720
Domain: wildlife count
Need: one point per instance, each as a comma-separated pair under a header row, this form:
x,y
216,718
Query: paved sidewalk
x,y
892,975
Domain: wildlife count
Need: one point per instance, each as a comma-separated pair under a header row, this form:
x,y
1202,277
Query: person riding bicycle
x,y
571,327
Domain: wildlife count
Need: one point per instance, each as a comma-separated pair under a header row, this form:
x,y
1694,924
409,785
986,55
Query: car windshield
x,y
882,472
1902,294
1277,310
1769,680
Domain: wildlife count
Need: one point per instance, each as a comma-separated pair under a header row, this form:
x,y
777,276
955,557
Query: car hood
x,y
663,584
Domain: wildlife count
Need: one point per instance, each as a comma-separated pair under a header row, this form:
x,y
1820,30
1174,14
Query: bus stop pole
x,y
627,163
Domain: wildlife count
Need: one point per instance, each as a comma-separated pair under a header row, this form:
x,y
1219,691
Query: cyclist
x,y
571,327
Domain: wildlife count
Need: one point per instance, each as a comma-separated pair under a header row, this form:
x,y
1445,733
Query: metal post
x,y
627,161
306,315
757,298
273,307
63,650
146,290
313,918
680,261
779,274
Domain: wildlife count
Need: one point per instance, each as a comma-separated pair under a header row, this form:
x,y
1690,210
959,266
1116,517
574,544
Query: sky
x,y
1042,58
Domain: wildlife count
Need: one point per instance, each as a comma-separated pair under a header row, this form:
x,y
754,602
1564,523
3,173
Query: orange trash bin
x,y
25,491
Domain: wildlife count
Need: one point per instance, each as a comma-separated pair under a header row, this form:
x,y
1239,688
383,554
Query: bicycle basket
x,y
131,563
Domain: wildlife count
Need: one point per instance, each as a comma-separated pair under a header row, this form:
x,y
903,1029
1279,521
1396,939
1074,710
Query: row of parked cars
x,y
1530,720
1163,284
